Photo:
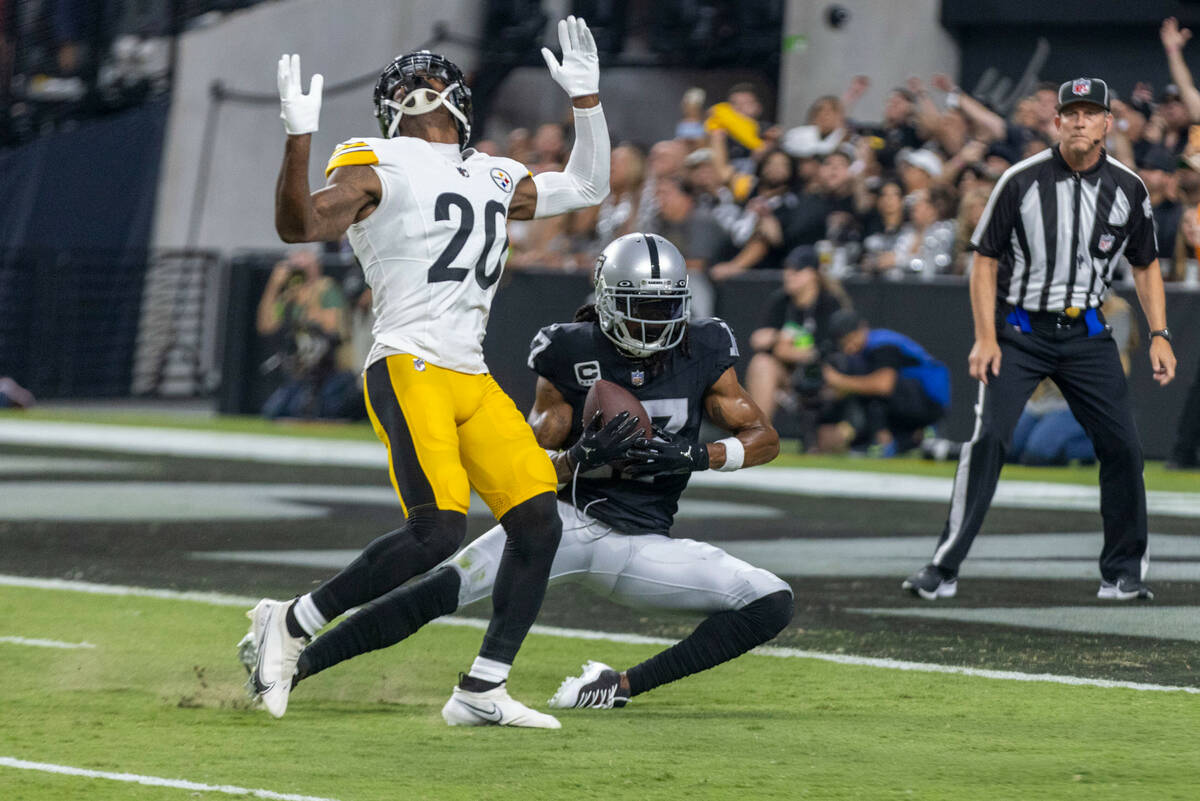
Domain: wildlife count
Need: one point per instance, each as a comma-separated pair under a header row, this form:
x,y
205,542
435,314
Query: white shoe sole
x,y
493,709
947,589
1113,594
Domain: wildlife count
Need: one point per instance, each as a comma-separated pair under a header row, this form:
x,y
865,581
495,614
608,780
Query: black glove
x,y
672,455
599,444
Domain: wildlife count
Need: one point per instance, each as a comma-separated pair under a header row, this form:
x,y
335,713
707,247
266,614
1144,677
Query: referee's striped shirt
x,y
1057,234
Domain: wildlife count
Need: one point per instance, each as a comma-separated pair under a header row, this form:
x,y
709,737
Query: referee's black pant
x,y
1088,371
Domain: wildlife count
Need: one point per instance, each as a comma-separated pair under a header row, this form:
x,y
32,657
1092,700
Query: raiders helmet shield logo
x,y
1081,86
1106,242
502,179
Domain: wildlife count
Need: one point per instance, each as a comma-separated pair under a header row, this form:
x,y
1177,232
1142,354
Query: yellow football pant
x,y
447,431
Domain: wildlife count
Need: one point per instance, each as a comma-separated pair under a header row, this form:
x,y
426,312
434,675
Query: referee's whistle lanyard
x,y
1020,317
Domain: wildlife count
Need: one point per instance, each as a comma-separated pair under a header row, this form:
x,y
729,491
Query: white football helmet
x,y
642,295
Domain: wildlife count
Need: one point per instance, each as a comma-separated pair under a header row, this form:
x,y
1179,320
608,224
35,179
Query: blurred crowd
x,y
896,198
62,61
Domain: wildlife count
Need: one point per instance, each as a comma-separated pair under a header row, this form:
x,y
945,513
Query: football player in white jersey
x,y
619,493
426,217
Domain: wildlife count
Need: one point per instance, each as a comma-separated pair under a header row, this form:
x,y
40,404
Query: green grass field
x,y
160,695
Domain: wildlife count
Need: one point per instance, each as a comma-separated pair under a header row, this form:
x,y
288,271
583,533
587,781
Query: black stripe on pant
x,y
414,486
1088,371
428,536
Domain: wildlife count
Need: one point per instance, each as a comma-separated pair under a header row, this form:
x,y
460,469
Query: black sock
x,y
475,685
384,622
293,626
533,531
717,639
426,539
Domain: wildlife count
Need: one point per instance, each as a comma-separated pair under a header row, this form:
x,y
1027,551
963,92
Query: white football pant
x,y
644,570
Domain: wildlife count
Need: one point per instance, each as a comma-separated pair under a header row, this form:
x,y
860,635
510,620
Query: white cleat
x,y
276,653
247,653
598,687
494,707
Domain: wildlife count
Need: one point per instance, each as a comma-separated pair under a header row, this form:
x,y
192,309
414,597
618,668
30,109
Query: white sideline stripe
x,y
154,781
812,482
45,643
211,598
219,599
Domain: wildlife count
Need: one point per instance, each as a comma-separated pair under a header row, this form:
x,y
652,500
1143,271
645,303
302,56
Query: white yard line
x,y
154,781
219,599
284,449
44,643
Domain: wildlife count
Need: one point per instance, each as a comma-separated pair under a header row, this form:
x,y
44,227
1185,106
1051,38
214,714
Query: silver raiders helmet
x,y
642,295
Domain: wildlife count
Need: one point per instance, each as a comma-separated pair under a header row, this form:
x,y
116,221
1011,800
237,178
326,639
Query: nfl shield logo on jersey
x,y
502,179
637,377
1081,86
1106,243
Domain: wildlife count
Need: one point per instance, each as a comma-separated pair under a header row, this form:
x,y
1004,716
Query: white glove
x,y
579,73
298,111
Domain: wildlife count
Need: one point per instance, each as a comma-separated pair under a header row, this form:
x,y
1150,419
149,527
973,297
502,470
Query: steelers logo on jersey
x,y
502,179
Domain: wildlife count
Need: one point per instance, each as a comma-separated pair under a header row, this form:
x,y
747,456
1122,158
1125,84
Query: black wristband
x,y
1165,333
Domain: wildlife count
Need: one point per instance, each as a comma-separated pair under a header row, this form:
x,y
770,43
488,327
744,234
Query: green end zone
x,y
160,696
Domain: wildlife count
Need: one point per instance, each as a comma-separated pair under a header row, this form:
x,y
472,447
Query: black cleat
x,y
930,583
1126,588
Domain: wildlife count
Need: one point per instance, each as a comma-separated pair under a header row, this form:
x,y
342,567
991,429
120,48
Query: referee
x,y
1045,248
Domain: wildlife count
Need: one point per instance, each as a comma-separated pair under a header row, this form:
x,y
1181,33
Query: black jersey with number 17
x,y
573,356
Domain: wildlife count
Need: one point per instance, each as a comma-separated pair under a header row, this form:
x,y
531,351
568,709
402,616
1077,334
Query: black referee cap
x,y
1083,90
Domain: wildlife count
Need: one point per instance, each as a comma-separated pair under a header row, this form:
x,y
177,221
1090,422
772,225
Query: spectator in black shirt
x,y
1157,171
794,328
783,220
897,131
881,228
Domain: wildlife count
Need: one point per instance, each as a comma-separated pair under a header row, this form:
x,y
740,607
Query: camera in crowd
x,y
808,380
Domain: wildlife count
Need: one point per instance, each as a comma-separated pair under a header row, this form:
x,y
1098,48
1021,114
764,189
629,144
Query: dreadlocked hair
x,y
654,364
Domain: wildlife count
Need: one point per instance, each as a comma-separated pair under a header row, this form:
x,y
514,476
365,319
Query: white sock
x,y
489,670
307,615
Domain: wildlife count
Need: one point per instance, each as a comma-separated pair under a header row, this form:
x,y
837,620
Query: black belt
x,y
1069,317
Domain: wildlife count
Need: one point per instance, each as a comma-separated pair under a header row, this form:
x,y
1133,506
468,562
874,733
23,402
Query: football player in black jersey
x,y
619,492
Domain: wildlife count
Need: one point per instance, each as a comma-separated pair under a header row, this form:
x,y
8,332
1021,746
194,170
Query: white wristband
x,y
735,454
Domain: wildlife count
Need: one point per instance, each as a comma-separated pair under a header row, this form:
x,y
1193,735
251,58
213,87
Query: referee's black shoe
x,y
1126,588
931,583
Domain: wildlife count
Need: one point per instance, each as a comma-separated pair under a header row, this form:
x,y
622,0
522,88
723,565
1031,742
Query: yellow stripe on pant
x,y
447,432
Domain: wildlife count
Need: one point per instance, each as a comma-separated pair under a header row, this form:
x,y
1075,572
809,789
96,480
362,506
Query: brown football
x,y
611,399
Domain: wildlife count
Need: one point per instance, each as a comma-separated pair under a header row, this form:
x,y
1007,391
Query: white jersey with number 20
x,y
435,246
